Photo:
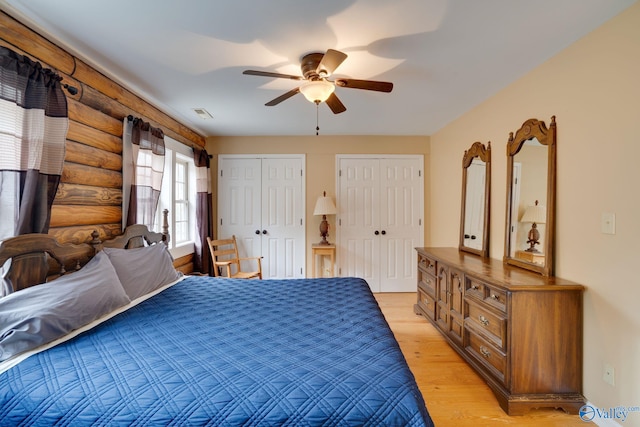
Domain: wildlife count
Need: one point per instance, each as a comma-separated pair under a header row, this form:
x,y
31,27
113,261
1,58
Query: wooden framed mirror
x,y
476,188
531,197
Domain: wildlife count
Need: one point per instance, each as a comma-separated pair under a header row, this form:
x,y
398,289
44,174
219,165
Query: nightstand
x,y
322,251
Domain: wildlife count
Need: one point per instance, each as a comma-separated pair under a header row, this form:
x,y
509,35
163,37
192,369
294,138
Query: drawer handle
x,y
486,353
484,320
475,287
495,297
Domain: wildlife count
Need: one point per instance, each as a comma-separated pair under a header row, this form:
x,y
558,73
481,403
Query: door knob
x,y
384,232
257,231
376,232
264,231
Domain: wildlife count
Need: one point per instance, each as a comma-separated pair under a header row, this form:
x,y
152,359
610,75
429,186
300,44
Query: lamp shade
x,y
536,213
324,206
317,90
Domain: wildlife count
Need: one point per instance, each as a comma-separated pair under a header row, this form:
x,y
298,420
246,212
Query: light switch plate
x,y
608,223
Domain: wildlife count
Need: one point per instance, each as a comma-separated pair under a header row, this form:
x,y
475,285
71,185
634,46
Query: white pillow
x,y
143,270
40,314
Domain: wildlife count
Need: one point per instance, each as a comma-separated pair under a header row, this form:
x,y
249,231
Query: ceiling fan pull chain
x,y
317,121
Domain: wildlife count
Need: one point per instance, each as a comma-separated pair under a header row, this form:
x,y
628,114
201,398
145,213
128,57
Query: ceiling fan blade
x,y
335,104
329,62
269,74
282,97
365,84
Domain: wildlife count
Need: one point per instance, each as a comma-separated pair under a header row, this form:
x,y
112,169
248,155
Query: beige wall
x,y
593,87
320,152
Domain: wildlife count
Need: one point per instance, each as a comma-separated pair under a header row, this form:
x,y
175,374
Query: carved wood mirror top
x,y
531,191
476,187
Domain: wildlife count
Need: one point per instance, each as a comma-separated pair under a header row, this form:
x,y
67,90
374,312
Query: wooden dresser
x,y
522,332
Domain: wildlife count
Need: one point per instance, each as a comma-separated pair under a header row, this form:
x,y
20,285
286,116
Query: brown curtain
x,y
33,128
148,152
204,217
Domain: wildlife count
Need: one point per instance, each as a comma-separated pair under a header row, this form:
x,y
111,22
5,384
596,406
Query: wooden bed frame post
x,y
165,226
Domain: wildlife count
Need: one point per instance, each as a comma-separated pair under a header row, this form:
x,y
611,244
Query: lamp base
x,y
533,238
324,231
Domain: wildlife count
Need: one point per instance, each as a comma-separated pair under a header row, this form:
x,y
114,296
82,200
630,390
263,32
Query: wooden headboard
x,y
35,257
38,257
136,236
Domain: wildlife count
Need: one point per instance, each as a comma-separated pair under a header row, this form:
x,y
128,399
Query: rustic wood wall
x,y
90,194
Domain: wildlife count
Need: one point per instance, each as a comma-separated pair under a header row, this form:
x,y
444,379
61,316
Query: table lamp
x,y
324,207
535,214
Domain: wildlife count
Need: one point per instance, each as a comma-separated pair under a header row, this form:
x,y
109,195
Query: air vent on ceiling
x,y
204,114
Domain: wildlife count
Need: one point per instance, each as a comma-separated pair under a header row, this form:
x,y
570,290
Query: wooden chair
x,y
224,253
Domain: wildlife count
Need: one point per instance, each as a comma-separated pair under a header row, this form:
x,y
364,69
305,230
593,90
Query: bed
x,y
189,350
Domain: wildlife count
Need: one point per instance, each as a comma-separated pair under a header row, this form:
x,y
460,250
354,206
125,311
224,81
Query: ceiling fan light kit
x,y
317,91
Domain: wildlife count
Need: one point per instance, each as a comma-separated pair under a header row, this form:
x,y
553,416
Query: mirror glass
x,y
531,197
476,187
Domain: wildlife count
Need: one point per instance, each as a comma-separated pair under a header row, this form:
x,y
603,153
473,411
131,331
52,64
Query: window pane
x,y
182,221
178,196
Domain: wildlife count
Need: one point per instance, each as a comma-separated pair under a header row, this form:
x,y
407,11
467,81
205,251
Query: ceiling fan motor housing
x,y
309,66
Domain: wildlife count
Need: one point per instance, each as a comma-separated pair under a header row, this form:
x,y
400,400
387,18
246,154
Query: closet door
x,y
401,212
359,220
261,201
282,218
240,203
380,206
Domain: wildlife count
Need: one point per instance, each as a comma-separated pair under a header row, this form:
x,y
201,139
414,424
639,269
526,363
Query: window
x,y
178,195
181,200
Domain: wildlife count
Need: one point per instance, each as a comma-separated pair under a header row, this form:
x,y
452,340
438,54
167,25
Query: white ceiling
x,y
443,56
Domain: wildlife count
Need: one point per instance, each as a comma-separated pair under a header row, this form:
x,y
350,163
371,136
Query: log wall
x,y
90,194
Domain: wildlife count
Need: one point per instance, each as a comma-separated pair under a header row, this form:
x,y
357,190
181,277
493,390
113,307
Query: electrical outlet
x,y
609,374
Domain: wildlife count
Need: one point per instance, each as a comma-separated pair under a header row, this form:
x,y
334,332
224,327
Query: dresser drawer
x,y
426,302
496,297
481,291
480,319
427,264
474,288
427,282
487,354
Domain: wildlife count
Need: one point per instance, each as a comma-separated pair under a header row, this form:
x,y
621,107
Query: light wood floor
x,y
454,393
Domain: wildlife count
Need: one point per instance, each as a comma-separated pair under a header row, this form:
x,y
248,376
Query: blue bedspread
x,y
220,352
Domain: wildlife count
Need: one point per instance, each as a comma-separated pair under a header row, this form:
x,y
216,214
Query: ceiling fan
x,y
316,68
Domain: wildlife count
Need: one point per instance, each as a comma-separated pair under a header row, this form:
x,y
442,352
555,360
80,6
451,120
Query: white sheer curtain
x,y
143,169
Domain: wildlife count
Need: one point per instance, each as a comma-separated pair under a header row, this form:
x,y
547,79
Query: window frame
x,y
178,153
